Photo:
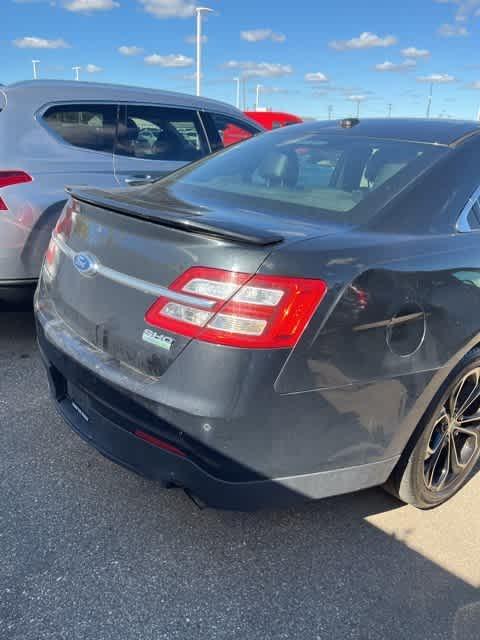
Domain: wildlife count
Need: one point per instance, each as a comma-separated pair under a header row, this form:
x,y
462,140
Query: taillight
x,y
11,178
63,228
65,221
258,311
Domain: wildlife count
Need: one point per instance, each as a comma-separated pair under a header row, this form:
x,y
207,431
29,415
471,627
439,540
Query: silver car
x,y
56,133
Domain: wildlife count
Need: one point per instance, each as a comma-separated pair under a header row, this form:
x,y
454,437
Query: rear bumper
x,y
107,416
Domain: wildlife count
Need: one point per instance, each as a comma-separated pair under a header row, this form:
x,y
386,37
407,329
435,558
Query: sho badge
x,y
158,339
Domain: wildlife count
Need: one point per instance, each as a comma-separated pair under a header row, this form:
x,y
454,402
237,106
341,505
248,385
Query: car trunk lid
x,y
115,256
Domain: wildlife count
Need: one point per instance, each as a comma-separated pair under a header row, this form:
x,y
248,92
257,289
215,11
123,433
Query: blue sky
x,y
307,54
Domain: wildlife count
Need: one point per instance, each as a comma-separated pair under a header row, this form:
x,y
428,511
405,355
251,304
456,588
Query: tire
x,y
445,448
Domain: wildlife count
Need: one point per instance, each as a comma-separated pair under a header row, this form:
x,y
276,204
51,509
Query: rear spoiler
x,y
229,230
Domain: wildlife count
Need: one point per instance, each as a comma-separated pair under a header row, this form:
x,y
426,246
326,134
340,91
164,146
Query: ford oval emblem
x,y
85,264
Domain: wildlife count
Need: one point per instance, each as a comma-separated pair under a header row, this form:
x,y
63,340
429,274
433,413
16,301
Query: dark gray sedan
x,y
294,317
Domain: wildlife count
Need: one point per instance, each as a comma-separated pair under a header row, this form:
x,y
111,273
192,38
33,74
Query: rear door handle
x,y
133,181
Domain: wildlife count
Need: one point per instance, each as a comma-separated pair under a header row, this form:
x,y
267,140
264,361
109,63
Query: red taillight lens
x,y
262,312
11,178
65,221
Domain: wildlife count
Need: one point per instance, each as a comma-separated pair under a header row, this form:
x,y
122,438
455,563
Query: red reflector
x,y
255,311
10,178
161,444
3,206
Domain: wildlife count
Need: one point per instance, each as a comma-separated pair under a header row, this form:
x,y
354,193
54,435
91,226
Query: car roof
x,y
432,131
40,92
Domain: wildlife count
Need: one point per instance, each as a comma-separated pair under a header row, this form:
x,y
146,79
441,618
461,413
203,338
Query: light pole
x,y
358,107
237,100
257,96
35,69
200,11
77,72
429,103
330,111
389,109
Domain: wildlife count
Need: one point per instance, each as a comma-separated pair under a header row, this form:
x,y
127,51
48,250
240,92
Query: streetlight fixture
x,y
200,11
358,100
245,91
77,72
35,69
258,88
429,103
237,100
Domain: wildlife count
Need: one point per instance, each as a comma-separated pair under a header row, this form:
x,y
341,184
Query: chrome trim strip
x,y
64,248
391,322
137,283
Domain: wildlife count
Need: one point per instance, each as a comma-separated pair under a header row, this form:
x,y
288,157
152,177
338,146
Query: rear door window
x,y
89,126
230,131
160,134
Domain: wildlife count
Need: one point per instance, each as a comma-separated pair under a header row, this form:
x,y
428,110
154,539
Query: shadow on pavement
x,y
92,551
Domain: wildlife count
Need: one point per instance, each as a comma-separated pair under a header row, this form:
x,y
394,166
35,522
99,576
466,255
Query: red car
x,y
267,119
273,119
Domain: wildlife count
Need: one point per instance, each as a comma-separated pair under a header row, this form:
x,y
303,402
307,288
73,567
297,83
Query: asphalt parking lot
x,y
90,551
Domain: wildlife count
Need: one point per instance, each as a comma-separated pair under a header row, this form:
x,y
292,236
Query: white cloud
x,y
406,65
31,42
366,40
93,68
316,76
257,35
193,39
87,6
173,60
278,91
132,50
452,31
465,8
437,78
357,98
475,85
169,8
413,52
260,69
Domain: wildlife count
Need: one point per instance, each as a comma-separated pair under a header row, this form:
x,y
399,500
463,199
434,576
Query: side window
x,y
159,133
90,126
230,130
473,217
469,219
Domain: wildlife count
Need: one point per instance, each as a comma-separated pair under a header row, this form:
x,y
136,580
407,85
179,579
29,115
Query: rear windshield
x,y
340,177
